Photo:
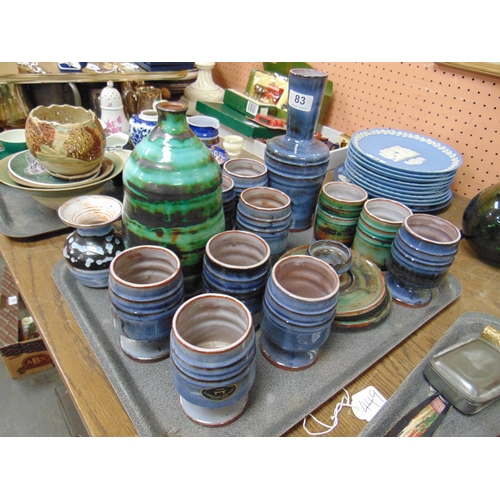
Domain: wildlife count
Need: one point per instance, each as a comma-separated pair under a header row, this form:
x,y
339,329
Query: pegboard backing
x,y
457,107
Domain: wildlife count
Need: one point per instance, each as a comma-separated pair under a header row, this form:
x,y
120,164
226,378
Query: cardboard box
x,y
236,121
22,357
246,105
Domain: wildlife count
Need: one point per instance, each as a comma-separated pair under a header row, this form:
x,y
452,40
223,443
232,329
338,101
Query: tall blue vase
x,y
296,161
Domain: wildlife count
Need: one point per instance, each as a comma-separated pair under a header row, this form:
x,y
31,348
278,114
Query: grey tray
x,y
23,217
416,388
277,401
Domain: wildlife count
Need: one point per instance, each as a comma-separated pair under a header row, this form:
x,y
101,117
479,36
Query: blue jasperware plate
x,y
405,196
402,175
405,151
380,178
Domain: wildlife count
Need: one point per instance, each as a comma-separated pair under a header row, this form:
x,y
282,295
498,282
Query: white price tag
x,y
367,403
12,300
300,101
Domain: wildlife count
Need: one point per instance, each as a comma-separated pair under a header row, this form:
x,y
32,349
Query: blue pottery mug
x,y
237,263
146,288
299,305
213,358
246,173
266,212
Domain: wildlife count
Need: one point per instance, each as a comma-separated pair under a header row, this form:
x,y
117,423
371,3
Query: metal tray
x,y
23,217
416,388
277,401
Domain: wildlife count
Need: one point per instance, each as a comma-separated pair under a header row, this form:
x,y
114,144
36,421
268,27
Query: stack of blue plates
x,y
404,166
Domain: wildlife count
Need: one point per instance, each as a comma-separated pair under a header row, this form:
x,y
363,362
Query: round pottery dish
x,y
67,140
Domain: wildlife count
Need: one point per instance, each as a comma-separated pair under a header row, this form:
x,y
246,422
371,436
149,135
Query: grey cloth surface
x,y
416,388
277,401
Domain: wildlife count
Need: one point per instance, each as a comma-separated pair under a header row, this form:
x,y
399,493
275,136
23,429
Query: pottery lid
x,y
110,97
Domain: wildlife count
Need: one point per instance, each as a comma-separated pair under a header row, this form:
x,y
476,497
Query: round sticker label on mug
x,y
219,393
300,101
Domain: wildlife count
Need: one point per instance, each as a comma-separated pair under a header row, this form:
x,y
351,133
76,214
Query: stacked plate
x,y
22,171
404,166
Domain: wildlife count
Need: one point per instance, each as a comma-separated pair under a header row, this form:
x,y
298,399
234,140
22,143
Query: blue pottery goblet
x,y
421,254
146,288
298,309
213,358
237,263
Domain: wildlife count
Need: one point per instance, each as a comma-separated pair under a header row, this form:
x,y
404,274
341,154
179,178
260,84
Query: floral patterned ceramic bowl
x,y
68,141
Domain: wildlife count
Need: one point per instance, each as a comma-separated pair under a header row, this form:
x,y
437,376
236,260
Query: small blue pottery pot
x,y
297,162
213,355
90,249
421,254
298,309
237,263
266,212
145,288
141,125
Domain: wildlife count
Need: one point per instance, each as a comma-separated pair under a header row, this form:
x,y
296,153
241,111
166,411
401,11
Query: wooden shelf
x,y
9,73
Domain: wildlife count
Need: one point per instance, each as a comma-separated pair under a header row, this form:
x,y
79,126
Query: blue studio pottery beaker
x,y
145,289
213,358
297,162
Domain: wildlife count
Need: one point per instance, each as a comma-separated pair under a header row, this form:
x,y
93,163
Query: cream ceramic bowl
x,y
54,198
68,141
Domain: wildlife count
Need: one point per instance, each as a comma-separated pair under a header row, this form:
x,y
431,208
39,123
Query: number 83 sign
x,y
300,101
